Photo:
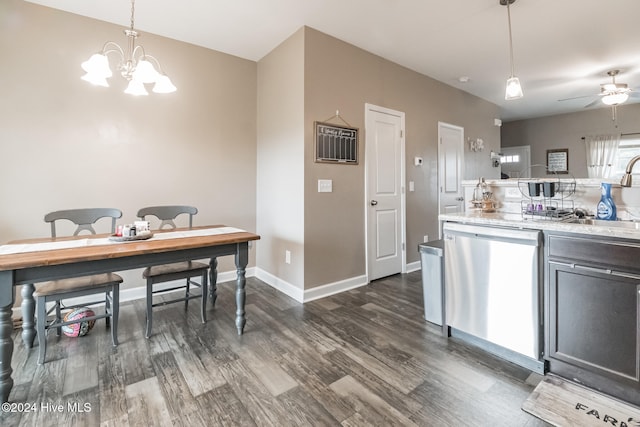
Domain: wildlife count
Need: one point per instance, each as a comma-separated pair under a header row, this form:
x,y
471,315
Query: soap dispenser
x,y
478,192
606,207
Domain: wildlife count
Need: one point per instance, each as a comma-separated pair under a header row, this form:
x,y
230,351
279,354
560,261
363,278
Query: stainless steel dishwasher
x,y
493,289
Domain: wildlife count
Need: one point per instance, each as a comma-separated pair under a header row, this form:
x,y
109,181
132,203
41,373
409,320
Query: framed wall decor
x,y
558,160
336,144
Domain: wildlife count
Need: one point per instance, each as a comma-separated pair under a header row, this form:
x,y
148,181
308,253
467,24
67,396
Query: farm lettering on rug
x,y
606,418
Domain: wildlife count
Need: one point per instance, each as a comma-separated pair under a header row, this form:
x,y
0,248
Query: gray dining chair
x,y
57,290
186,270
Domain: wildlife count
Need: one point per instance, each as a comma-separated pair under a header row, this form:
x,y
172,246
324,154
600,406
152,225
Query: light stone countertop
x,y
513,220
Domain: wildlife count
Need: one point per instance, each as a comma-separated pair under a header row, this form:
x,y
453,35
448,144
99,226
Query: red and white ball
x,y
78,329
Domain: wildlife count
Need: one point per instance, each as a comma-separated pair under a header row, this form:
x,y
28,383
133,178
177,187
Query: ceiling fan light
x,y
514,90
615,98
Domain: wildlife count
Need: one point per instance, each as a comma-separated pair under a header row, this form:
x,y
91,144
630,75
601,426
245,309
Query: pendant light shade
x,y
514,89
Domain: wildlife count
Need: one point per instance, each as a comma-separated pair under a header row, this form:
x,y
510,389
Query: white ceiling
x,y
562,48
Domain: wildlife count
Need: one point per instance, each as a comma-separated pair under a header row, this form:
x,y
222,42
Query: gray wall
x,y
340,76
280,205
566,131
67,144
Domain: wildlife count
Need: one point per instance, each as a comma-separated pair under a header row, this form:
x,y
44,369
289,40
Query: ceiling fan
x,y
611,94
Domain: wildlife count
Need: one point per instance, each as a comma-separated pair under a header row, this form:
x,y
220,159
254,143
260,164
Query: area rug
x,y
564,404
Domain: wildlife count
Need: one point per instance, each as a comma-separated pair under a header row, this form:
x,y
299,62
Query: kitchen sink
x,y
633,225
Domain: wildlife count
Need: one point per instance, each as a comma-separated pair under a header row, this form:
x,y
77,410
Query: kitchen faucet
x,y
626,179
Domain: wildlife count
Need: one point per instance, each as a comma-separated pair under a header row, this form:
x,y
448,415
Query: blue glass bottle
x,y
606,208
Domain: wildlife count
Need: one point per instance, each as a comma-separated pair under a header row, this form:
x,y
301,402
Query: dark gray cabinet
x,y
592,298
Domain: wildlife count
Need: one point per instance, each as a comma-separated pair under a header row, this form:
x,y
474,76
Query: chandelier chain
x,y
133,2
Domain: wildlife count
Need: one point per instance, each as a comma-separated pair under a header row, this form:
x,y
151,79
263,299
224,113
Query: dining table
x,y
31,261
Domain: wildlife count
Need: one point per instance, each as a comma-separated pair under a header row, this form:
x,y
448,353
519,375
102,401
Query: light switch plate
x,y
325,186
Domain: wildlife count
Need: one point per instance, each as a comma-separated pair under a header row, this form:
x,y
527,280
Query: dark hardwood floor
x,y
360,358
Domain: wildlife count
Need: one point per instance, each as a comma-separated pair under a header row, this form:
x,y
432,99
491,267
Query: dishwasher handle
x,y
515,235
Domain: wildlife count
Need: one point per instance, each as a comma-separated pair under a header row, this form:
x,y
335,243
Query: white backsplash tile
x,y
585,196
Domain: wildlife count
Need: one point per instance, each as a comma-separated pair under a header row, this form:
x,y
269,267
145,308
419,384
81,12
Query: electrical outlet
x,y
426,238
287,257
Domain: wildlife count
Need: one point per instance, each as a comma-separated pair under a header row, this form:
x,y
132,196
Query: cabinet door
x,y
593,322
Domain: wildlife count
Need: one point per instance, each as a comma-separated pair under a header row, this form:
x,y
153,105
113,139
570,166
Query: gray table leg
x,y
7,298
28,310
242,257
213,280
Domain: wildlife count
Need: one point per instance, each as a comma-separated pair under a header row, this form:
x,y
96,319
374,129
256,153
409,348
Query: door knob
x,y
460,199
374,202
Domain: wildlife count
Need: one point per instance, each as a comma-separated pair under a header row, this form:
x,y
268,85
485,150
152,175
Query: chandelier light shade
x,y
134,65
514,89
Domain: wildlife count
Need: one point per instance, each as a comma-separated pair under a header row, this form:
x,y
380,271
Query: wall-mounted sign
x,y
558,161
336,144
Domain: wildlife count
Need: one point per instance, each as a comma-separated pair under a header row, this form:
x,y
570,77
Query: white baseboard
x,y
335,288
281,285
140,292
414,266
307,295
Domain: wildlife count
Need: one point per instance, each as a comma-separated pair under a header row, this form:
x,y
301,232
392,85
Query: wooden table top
x,y
116,250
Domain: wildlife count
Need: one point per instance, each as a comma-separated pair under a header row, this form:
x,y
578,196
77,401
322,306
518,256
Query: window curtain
x,y
601,154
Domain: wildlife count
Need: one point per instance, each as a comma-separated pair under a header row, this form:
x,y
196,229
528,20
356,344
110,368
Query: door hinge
x,y
401,133
403,246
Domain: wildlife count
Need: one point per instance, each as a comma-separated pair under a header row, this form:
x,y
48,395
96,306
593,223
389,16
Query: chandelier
x,y
134,65
514,90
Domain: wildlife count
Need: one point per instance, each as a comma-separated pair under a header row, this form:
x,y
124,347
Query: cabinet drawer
x,y
619,254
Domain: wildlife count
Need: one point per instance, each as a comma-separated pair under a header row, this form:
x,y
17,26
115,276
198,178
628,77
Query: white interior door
x,y
385,191
516,161
450,172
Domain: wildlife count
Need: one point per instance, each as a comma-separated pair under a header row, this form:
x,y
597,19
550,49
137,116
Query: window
x,y
628,148
510,159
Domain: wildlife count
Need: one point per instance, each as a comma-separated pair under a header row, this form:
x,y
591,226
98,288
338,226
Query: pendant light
x,y
513,90
135,66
